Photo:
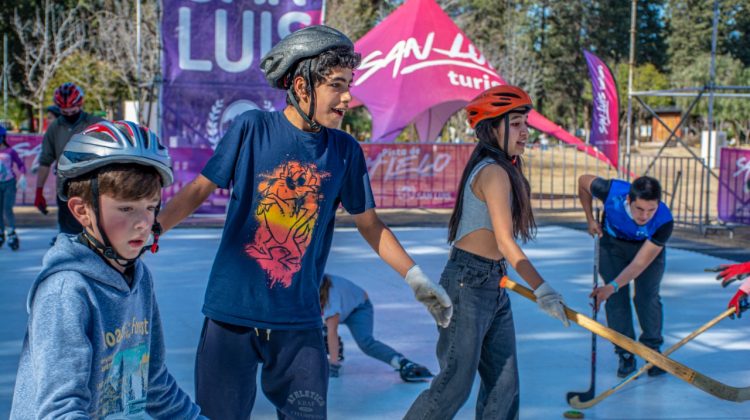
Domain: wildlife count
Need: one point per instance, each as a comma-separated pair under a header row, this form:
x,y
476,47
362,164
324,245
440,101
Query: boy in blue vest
x,y
636,227
289,172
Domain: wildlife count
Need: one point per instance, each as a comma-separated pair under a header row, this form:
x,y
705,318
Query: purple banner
x,y
211,70
734,194
605,119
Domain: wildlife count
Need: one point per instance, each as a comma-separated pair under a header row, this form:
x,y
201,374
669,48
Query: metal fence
x,y
553,174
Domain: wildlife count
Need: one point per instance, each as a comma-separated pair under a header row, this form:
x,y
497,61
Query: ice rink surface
x,y
553,360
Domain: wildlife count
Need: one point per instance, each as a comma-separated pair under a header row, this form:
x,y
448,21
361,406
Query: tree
x,y
100,81
729,72
47,39
115,43
563,62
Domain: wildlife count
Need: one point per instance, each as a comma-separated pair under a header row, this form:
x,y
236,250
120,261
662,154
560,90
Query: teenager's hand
x,y
551,302
731,272
334,370
432,295
739,302
40,202
602,293
595,229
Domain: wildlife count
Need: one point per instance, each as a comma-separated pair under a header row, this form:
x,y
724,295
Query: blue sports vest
x,y
617,222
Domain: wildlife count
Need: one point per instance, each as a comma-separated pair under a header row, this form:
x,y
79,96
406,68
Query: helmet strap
x,y
507,135
308,118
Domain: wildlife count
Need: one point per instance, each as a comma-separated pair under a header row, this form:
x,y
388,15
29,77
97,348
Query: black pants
x,y
294,376
615,255
65,219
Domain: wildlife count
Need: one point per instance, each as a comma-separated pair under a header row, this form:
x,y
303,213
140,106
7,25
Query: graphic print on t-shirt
x,y
286,213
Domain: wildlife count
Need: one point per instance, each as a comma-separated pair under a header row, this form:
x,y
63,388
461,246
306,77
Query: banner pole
x,y
631,65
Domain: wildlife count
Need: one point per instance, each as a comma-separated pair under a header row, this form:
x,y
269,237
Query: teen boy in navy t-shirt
x,y
289,171
634,232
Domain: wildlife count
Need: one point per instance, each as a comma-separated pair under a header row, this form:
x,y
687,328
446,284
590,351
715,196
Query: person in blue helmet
x,y
635,229
8,186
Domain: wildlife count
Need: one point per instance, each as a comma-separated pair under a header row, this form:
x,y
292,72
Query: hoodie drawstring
x,y
268,333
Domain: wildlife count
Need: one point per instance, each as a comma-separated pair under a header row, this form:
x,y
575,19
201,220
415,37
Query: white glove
x,y
551,302
22,182
432,295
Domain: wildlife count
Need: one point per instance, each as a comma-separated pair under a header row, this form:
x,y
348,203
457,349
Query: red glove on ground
x,y
733,272
739,302
40,202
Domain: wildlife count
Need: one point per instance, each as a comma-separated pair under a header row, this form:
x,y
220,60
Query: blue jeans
x,y
615,256
294,376
360,323
7,200
481,338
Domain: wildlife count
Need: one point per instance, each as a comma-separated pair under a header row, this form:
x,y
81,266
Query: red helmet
x,y
496,101
68,95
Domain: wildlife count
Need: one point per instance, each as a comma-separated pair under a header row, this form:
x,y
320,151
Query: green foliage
x,y
729,72
100,83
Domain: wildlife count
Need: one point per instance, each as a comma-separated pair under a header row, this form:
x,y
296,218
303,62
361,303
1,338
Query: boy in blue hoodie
x,y
94,345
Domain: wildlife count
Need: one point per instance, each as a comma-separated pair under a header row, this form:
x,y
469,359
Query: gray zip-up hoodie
x,y
94,346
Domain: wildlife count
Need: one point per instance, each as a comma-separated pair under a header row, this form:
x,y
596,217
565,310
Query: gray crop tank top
x,y
474,215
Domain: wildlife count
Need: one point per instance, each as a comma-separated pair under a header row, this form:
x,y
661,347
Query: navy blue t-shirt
x,y
286,187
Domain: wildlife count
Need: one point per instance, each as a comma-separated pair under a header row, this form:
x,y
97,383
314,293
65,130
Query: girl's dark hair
x,y
322,66
325,287
524,226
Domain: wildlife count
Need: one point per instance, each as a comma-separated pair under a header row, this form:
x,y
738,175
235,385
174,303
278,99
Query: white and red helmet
x,y
68,95
105,143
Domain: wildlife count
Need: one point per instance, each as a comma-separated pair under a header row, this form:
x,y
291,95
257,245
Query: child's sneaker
x,y
412,372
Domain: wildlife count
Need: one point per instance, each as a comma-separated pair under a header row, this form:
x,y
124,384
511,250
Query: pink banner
x,y
187,163
416,175
734,191
28,147
605,121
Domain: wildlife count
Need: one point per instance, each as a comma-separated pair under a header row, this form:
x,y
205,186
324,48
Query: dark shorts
x,y
294,373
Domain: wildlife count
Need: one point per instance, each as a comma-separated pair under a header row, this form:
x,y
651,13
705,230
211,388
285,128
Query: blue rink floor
x,y
553,360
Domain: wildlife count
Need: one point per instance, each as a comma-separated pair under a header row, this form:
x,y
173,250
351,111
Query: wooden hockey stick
x,y
695,378
577,402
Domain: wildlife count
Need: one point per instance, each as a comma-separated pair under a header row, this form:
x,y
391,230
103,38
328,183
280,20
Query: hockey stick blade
x,y
691,376
585,401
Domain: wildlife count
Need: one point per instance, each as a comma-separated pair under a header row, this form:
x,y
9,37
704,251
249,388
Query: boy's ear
x,y
81,211
300,88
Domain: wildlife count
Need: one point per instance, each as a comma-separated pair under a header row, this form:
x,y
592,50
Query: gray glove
x,y
551,302
432,295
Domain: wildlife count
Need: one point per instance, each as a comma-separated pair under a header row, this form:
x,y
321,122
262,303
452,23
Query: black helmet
x,y
279,64
308,42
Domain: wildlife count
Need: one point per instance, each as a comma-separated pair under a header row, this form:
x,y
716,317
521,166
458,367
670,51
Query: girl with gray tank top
x,y
492,211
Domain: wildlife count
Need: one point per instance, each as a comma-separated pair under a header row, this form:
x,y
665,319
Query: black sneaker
x,y
656,371
626,365
412,372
